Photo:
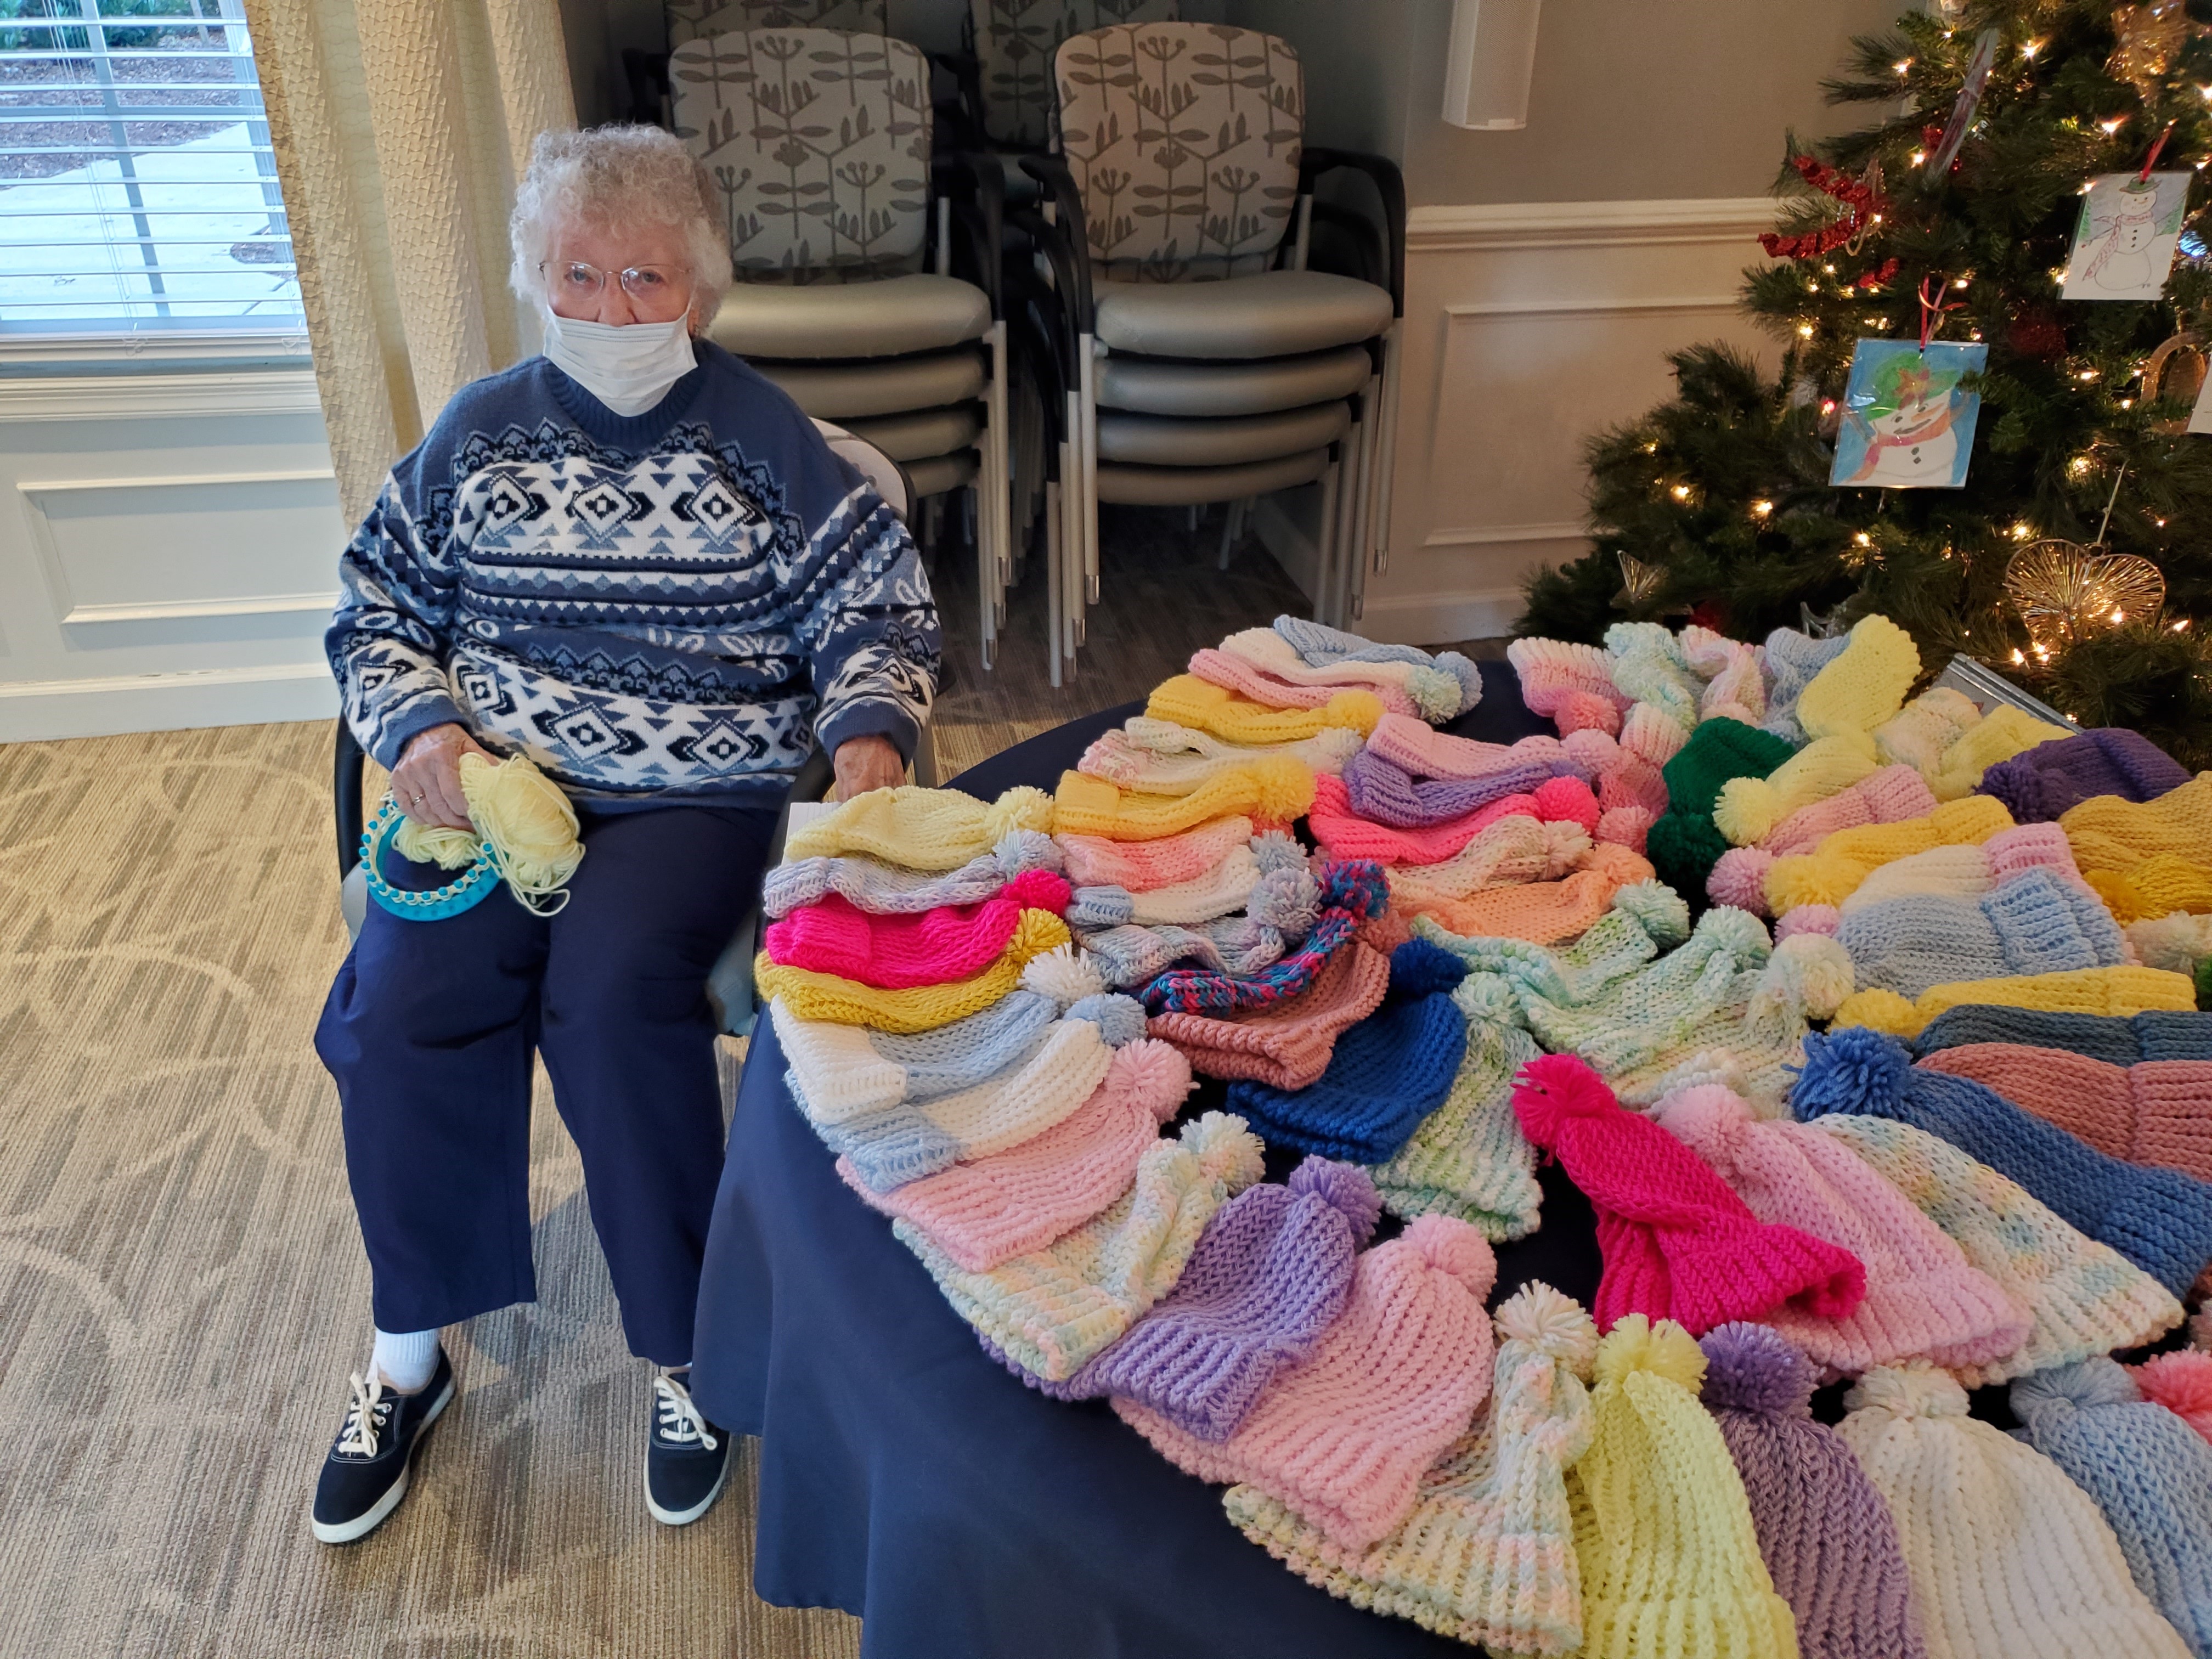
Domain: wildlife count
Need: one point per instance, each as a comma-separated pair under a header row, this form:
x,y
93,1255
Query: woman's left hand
x,y
865,763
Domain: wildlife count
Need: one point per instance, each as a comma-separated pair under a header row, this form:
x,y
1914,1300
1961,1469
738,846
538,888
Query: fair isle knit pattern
x,y
1825,1534
678,606
1287,1043
2148,1471
887,890
2161,1035
2157,1112
1343,1439
894,953
2083,1297
1160,757
1486,1556
1351,892
1044,1314
939,830
1141,867
2007,1556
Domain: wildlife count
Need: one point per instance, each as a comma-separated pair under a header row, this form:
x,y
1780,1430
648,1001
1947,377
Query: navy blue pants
x,y
428,1032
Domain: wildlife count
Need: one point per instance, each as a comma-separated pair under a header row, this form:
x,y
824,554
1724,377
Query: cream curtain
x,y
400,127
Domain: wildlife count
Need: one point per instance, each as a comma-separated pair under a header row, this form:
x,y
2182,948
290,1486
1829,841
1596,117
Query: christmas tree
x,y
1718,504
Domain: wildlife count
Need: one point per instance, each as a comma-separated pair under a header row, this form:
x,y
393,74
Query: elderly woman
x,y
633,560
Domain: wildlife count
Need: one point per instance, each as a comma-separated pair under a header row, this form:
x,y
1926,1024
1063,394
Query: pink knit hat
x,y
1020,1200
1922,1298
1287,1044
1427,753
1540,912
1219,668
1887,796
1343,1438
1568,682
2159,1111
2182,1382
896,953
1143,866
1346,834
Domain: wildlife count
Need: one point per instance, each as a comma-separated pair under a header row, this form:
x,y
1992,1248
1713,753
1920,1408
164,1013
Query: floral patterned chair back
x,y
817,143
1013,42
701,19
1184,140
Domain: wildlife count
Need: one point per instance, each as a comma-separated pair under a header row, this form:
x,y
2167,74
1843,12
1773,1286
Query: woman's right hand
x,y
427,782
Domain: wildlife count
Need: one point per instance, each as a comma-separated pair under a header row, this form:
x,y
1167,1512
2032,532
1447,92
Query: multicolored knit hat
x,y
1669,1556
1188,700
1346,834
1388,1073
1998,736
1160,757
2038,922
1144,865
1044,1314
2044,782
1271,1273
1749,808
1684,845
1275,790
992,1209
847,1002
1792,660
1833,872
1677,1243
2182,1382
1922,1298
2160,1035
1324,648
2159,1219
2083,1297
1221,891
2007,1555
1255,683
1970,871
920,828
1351,892
1864,684
2157,1112
2149,1472
1286,1044
2111,991
1343,1438
1486,1556
887,890
1825,1534
1280,913
1468,1158
897,952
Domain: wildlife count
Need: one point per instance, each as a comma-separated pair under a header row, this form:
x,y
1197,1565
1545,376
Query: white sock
x,y
406,1359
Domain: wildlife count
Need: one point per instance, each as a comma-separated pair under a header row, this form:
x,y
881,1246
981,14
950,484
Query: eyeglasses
x,y
657,293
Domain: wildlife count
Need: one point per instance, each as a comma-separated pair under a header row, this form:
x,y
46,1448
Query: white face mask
x,y
628,366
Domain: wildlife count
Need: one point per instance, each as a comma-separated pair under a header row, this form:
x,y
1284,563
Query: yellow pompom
x,y
1635,1344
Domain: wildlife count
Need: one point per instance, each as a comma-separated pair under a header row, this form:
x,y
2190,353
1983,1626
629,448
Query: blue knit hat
x,y
2160,1219
2036,923
1388,1071
2149,1472
2161,1034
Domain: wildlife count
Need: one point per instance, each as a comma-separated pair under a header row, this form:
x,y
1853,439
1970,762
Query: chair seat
x,y
1192,486
939,473
1161,441
836,391
1252,386
1276,313
924,433
892,317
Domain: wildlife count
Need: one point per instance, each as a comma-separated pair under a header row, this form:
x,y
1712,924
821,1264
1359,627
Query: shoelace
x,y
364,1417
680,1422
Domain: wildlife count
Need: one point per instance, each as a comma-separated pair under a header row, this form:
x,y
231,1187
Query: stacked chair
x,y
818,142
702,20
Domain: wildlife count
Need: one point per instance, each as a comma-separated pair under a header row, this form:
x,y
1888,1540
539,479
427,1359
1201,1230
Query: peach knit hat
x,y
1287,1044
2157,1112
1343,1439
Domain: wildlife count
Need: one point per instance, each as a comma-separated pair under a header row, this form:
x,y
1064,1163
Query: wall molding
x,y
1482,535
1487,226
1597,310
42,711
143,396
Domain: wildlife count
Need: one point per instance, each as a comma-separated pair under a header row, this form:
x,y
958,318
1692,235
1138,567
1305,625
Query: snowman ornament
x,y
2123,261
1913,441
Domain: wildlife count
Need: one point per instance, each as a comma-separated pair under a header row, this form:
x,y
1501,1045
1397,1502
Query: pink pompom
x,y
1625,826
1739,878
1554,1088
1823,919
1706,1118
1039,890
1450,1246
1586,711
1567,800
1156,1075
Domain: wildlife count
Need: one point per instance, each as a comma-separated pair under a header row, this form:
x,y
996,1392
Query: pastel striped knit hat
x,y
1280,913
1541,912
2160,1035
1735,678
2181,1381
2157,1112
1832,871
1677,1243
992,1209
1569,683
1286,1044
1275,789
1044,1314
1750,808
1825,1534
1188,700
1517,848
1160,757
1223,890
2148,1471
1663,1533
1142,866
920,828
1271,1273
1346,834
888,890
847,1002
2158,1218
1468,1158
2047,781
1970,871
1685,844
1922,1298
2007,1555
2083,1297
893,953
1324,648
1486,1556
2038,922
1255,683
1427,753
1792,660
1998,736
1388,1073
1343,1438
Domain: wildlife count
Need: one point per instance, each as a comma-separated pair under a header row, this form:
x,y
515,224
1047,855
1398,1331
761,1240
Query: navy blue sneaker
x,y
687,1458
365,1476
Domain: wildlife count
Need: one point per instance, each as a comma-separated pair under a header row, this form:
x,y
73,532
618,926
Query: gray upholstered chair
x,y
1206,361
818,142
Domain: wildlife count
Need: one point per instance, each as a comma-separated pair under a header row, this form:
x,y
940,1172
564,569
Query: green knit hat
x,y
1685,845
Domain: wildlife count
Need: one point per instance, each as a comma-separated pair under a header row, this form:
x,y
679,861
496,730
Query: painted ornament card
x,y
1907,424
2124,240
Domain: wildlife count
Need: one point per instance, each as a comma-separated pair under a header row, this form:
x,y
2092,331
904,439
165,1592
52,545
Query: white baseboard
x,y
41,711
1441,618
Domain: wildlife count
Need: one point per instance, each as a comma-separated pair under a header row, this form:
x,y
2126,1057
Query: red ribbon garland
x,y
1859,199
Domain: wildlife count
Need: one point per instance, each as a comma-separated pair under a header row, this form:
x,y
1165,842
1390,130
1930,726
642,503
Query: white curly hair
x,y
614,175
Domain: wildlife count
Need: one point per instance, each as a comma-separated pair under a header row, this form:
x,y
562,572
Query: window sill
x,y
77,356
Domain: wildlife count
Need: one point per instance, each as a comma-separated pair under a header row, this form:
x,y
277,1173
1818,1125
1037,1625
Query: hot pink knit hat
x,y
2157,1112
1219,668
1343,1439
1428,753
1922,1299
1143,866
1020,1200
1346,834
1677,1243
1288,1043
896,953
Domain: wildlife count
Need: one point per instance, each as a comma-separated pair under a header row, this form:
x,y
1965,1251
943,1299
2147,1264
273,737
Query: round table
x,y
907,1478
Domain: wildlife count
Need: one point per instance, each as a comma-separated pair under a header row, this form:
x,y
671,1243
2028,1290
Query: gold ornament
x,y
1639,582
2064,591
2152,36
2175,374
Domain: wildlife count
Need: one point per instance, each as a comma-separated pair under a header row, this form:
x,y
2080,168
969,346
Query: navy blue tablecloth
x,y
907,1478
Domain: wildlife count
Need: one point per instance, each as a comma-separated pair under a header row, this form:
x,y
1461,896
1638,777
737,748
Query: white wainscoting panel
x,y
1529,328
168,548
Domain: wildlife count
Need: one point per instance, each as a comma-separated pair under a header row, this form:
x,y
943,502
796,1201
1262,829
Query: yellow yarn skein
x,y
523,816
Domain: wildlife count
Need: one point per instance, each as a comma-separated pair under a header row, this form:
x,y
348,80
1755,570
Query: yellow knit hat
x,y
920,828
1919,733
810,995
2110,832
1832,871
1274,789
2120,992
1670,1563
2002,734
1188,700
2160,885
1750,807
1865,685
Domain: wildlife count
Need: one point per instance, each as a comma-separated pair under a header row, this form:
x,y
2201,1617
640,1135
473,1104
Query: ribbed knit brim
x,y
2154,1035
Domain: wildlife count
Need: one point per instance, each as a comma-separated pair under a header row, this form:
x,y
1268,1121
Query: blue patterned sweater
x,y
675,606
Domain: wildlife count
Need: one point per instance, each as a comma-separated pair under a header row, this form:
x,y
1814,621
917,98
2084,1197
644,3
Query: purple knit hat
x,y
1270,1274
1384,792
2037,784
1828,1538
